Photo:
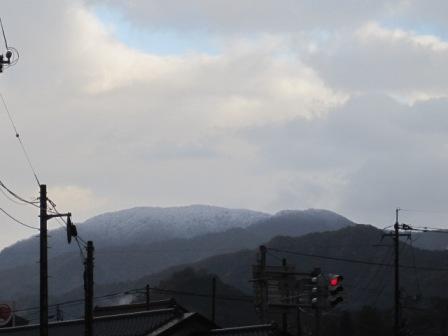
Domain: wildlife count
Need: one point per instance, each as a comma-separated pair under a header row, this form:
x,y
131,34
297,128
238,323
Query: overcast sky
x,y
259,104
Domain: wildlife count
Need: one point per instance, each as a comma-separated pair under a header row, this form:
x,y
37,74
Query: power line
x,y
356,261
25,153
4,35
21,199
425,211
415,269
245,298
18,221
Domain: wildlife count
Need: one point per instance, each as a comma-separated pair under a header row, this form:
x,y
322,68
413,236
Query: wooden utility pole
x,y
43,262
88,290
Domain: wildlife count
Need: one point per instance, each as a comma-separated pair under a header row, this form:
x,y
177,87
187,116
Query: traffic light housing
x,y
71,229
335,289
315,284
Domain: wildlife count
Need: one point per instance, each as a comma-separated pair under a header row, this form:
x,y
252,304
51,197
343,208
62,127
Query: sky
x,y
265,105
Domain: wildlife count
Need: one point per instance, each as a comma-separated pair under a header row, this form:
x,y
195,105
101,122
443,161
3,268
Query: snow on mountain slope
x,y
154,223
141,225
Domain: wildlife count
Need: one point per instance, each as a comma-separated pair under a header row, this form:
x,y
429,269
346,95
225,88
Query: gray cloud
x,y
367,157
308,115
248,16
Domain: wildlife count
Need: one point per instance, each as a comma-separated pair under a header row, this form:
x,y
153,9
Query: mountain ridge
x,y
128,262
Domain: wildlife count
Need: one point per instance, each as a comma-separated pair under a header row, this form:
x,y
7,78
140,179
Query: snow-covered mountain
x,y
149,224
136,226
135,242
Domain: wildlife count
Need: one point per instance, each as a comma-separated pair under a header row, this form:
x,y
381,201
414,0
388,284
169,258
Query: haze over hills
x,y
144,250
422,277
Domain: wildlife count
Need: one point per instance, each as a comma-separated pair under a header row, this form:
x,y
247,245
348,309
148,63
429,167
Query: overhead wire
x,y
240,298
18,221
419,291
4,35
17,135
355,261
10,198
15,195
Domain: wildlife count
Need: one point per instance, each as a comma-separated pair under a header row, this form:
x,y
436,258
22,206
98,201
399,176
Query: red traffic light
x,y
336,280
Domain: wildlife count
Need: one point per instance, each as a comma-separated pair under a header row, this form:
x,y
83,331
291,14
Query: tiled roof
x,y
253,330
135,324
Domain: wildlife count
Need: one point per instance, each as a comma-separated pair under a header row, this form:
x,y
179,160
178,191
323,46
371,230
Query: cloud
x,y
248,16
364,159
303,104
402,63
82,202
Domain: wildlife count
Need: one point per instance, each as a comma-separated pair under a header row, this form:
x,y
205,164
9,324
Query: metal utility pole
x,y
213,298
43,262
88,290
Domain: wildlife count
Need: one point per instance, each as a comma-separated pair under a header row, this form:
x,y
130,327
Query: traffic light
x,y
315,290
71,229
335,289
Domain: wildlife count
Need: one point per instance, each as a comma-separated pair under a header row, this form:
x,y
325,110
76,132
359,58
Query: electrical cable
x,y
10,198
425,211
59,219
18,221
4,35
355,261
419,291
20,140
83,258
33,203
245,298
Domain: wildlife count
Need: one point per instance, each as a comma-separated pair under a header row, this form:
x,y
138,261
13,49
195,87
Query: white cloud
x,y
82,202
396,62
294,109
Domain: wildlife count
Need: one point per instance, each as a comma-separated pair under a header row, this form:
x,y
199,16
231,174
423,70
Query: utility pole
x,y
285,314
43,262
148,297
213,298
263,286
397,292
397,296
317,321
299,322
59,314
88,290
